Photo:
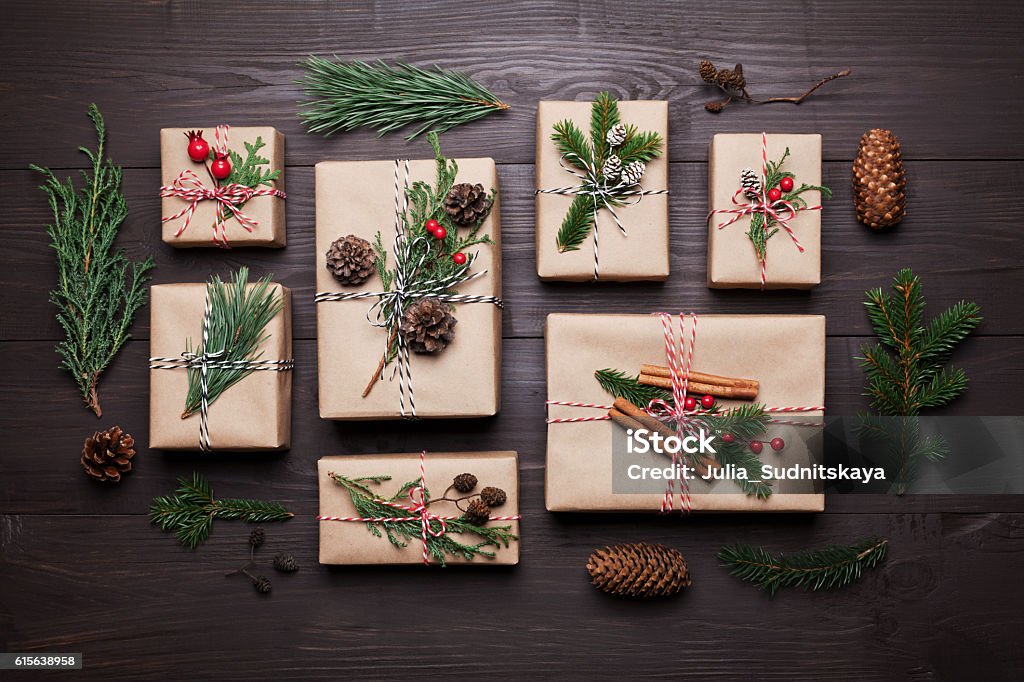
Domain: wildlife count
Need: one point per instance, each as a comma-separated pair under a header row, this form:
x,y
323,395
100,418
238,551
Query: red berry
x,y
459,258
707,402
756,446
198,148
774,194
690,403
728,438
440,232
221,167
432,225
786,184
777,444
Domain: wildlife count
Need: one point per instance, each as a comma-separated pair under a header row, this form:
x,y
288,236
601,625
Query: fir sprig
x,y
239,315
348,95
621,385
191,510
98,289
400,533
830,567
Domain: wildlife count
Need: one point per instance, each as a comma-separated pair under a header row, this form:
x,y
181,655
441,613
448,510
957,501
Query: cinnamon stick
x,y
624,412
701,377
734,392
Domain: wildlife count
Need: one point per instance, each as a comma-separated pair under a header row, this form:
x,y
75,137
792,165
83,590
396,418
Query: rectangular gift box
x,y
786,353
267,211
732,261
644,253
254,414
352,543
358,198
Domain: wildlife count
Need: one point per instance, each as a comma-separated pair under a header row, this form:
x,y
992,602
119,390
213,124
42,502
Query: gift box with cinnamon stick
x,y
615,370
470,501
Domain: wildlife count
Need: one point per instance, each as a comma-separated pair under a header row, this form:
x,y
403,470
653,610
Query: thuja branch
x,y
733,84
98,289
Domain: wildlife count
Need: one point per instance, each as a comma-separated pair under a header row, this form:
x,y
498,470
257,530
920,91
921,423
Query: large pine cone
x,y
108,454
428,325
638,570
467,204
351,259
879,180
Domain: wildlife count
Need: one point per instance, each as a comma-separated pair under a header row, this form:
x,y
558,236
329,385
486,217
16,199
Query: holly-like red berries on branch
x,y
199,152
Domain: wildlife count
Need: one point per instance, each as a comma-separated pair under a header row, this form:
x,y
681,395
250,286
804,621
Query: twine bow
x,y
386,312
604,195
205,361
229,198
431,525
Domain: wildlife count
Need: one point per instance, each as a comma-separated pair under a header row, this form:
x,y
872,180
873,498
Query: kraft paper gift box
x,y
352,543
786,353
358,198
732,261
644,253
267,211
253,414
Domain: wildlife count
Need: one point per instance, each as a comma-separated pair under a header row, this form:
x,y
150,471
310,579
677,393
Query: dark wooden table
x,y
81,570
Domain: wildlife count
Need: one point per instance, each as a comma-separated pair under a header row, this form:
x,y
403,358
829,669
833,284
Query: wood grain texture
x,y
82,570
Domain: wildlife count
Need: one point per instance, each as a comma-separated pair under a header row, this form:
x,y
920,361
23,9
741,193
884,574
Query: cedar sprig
x,y
250,171
239,315
191,510
830,567
733,84
400,533
348,95
98,289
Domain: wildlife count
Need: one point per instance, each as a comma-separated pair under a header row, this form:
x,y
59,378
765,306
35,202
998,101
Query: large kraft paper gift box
x,y
253,414
644,253
358,198
267,211
786,353
732,261
352,543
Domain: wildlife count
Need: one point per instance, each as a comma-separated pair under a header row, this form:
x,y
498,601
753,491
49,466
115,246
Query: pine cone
x,y
464,482
285,563
108,454
261,584
351,259
633,173
256,537
612,167
467,204
428,325
477,512
616,135
638,570
732,79
879,180
493,497
707,70
750,181
714,107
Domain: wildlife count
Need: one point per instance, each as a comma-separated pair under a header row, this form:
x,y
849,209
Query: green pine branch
x,y
577,223
348,95
621,385
604,114
191,510
99,289
830,567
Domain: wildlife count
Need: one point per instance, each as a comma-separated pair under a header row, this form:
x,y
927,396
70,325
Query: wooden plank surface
x,y
82,570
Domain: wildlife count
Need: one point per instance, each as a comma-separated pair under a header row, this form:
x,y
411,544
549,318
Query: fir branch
x,y
99,289
577,223
830,567
620,385
348,95
604,114
643,147
572,143
191,510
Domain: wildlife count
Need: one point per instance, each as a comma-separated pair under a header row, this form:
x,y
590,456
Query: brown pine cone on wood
x,y
351,259
638,570
108,454
428,325
879,180
467,204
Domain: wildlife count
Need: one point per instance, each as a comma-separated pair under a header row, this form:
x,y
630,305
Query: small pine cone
x,y
261,584
708,72
732,79
351,259
464,482
467,204
638,570
617,134
879,180
750,181
714,107
493,497
477,513
633,173
612,167
108,454
256,537
428,325
285,563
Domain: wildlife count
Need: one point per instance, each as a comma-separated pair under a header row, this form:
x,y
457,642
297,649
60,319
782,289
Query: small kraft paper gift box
x,y
610,373
602,190
764,216
415,494
222,187
408,276
248,378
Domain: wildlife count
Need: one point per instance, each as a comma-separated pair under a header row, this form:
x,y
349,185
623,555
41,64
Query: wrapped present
x,y
222,187
609,371
602,211
215,390
764,220
419,508
402,311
